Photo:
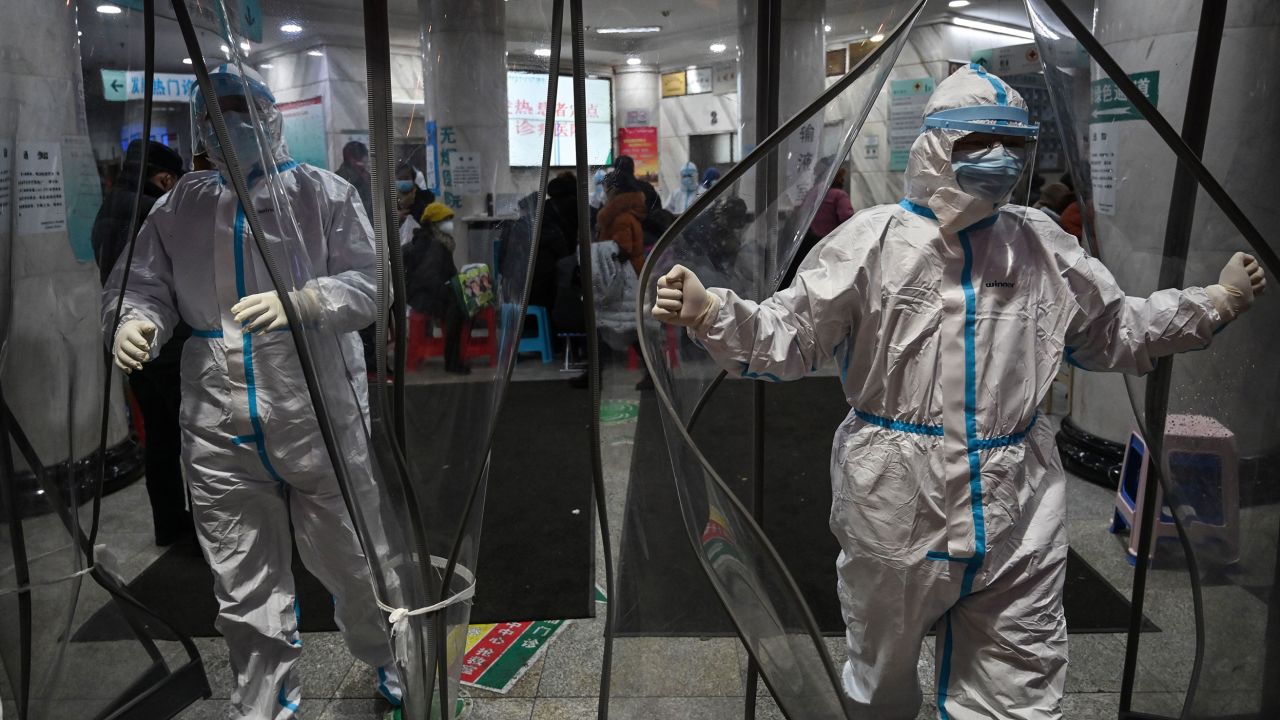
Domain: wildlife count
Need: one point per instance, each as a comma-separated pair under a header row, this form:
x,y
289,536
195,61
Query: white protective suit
x,y
682,197
948,317
252,452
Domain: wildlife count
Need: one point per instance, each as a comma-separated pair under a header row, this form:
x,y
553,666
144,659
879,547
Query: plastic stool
x,y
1200,460
540,343
422,341
483,345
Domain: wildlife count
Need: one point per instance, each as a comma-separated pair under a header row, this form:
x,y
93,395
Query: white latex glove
x,y
1241,280
132,345
260,313
682,300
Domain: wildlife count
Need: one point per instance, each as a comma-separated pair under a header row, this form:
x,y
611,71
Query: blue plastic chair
x,y
540,343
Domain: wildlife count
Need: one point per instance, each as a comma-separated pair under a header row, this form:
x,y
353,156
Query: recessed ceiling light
x,y
826,28
291,28
877,37
109,9
186,61
315,53
958,3
718,47
633,61
542,52
79,33
992,27
628,30
266,66
691,67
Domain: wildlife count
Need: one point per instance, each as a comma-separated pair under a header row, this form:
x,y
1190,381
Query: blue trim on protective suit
x,y
899,425
925,212
757,376
283,698
1002,98
386,691
247,342
973,450
206,333
920,210
257,173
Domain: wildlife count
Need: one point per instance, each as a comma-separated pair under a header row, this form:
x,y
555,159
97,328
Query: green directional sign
x,y
1109,104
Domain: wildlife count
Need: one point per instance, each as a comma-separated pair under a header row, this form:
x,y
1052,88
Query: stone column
x,y
52,367
465,96
636,91
802,62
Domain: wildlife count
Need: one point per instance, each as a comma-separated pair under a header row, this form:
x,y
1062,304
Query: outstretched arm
x,y
1128,334
783,337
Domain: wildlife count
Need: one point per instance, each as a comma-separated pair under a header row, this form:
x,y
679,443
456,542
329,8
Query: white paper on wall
x,y
38,198
1102,167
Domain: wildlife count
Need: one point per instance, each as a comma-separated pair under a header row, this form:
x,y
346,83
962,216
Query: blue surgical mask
x,y
988,173
689,182
405,186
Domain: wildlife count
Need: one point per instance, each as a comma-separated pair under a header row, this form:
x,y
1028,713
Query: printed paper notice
x,y
907,99
6,187
1102,167
466,173
38,189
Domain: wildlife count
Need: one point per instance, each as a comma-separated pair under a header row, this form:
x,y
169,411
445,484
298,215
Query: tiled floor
x,y
695,678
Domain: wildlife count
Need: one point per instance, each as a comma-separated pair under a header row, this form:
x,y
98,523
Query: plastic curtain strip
x,y
742,234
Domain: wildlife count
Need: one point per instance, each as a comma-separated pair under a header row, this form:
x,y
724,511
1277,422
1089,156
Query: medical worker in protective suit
x,y
252,453
682,197
948,315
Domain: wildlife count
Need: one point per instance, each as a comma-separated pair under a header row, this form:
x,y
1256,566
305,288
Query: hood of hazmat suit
x,y
251,448
969,101
684,195
249,110
948,315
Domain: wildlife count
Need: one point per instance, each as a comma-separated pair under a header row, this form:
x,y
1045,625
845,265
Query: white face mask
x,y
446,227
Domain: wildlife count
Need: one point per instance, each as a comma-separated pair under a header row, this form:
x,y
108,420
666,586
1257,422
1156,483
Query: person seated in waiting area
x,y
429,273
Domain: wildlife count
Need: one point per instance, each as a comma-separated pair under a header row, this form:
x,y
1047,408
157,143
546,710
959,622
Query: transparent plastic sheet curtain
x,y
741,234
1219,445
418,511
53,375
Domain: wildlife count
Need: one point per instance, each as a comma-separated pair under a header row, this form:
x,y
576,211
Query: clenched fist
x,y
682,300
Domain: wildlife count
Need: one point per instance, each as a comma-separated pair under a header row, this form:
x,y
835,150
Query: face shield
x,y
249,109
994,152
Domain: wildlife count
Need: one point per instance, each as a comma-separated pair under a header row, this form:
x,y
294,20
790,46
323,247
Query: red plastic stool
x,y
482,345
423,343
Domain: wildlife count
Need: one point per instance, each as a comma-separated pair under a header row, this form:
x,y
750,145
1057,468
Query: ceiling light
x,y
718,47
291,28
226,50
542,52
244,46
266,66
315,53
186,61
79,33
109,9
878,37
633,61
958,3
628,30
992,28
691,67
826,28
